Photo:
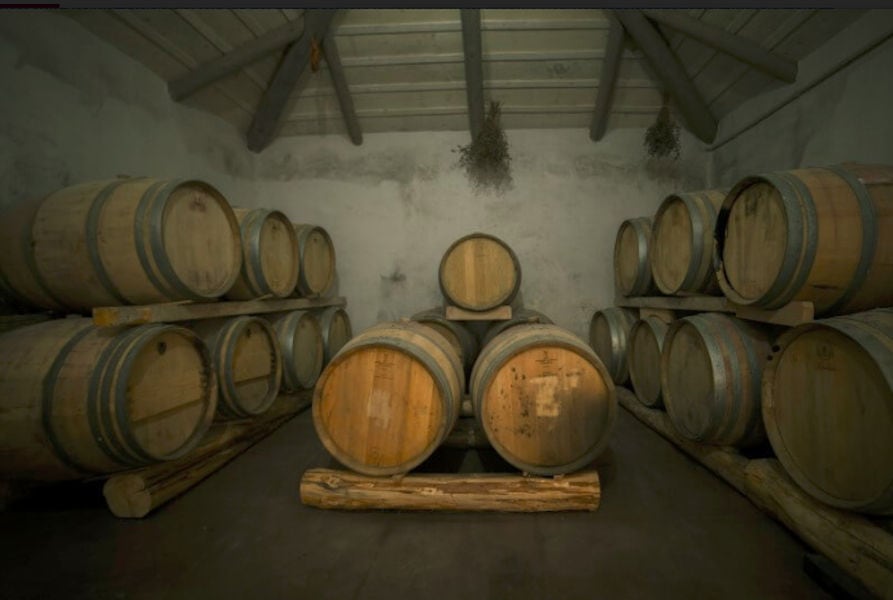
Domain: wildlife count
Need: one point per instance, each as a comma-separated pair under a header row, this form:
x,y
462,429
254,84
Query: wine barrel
x,y
822,235
317,254
828,409
301,343
711,366
479,272
544,399
77,400
609,337
127,241
682,242
520,316
336,330
270,262
248,362
646,340
632,267
389,398
460,338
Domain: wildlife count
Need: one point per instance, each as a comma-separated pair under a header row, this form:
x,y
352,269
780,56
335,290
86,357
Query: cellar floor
x,y
666,528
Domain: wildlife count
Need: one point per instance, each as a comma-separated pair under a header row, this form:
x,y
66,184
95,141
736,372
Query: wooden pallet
x,y
113,316
792,314
500,313
343,490
134,494
858,545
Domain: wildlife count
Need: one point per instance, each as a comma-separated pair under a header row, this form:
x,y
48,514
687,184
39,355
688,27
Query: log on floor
x,y
327,488
134,494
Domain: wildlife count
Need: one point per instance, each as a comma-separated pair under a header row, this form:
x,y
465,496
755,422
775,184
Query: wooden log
x,y
467,434
135,494
112,316
852,542
325,488
500,313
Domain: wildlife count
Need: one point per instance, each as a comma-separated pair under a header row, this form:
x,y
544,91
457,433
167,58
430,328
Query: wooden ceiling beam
x,y
272,104
607,81
691,104
723,41
339,82
246,54
474,68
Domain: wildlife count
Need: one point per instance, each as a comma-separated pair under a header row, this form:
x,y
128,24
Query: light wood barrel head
x,y
201,238
255,370
169,392
609,337
829,414
687,373
479,272
317,259
546,407
378,409
308,351
643,356
278,254
755,240
671,245
627,258
339,332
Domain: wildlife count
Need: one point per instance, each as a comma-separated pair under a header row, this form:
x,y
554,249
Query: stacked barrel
x,y
78,400
391,396
821,392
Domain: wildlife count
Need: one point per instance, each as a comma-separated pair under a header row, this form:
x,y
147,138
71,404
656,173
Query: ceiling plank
x,y
665,64
345,101
474,68
607,82
741,48
246,54
272,105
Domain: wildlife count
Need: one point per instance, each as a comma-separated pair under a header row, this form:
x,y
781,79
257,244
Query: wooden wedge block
x,y
500,313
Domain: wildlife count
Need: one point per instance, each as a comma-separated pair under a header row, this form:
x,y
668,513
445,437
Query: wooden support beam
x,y
339,82
735,46
666,66
474,68
275,98
246,54
326,488
607,81
500,313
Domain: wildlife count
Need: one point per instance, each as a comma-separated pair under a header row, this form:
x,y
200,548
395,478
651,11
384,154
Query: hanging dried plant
x,y
662,138
486,159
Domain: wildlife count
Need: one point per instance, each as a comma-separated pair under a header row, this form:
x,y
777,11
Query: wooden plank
x,y
474,68
688,99
467,434
667,316
246,54
134,494
695,303
339,82
741,48
833,579
607,81
326,488
272,105
500,313
113,316
793,314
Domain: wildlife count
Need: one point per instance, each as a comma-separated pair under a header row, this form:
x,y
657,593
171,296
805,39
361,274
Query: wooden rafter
x,y
607,81
666,65
474,68
339,82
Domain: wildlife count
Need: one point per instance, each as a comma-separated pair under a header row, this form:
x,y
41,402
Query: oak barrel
x,y
389,398
609,337
336,330
632,266
462,340
248,362
77,400
544,399
302,347
270,262
317,254
682,242
479,272
125,241
646,340
711,366
824,235
520,316
828,409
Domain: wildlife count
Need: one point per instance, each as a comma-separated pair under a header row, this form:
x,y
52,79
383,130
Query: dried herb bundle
x,y
486,159
662,138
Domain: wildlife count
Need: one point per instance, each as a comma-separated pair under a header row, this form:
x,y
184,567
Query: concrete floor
x,y
667,528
